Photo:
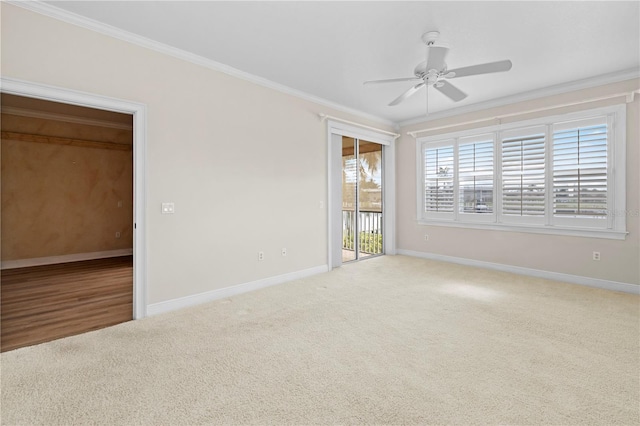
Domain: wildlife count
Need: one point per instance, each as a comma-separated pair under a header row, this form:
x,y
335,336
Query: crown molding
x,y
557,89
72,18
42,8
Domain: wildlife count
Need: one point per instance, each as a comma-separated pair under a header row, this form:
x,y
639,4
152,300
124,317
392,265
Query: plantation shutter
x,y
563,174
523,174
475,176
438,179
580,169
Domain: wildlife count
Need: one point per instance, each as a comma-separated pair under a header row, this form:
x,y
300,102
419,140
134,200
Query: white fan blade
x,y
435,58
450,91
499,66
406,94
392,80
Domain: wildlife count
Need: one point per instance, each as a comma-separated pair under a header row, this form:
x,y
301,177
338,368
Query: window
x,y
580,169
475,176
438,179
549,175
523,175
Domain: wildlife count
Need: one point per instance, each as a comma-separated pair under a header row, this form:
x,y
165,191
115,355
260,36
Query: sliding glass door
x,y
361,199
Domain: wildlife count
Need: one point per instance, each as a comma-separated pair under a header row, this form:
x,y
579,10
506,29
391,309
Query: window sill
x,y
550,230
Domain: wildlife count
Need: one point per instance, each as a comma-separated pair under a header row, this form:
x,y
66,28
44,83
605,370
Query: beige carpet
x,y
391,340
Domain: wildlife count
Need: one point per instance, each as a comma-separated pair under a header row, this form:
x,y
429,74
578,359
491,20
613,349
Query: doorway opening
x,y
67,220
362,204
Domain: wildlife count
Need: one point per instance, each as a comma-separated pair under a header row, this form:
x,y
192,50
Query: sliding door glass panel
x,y
369,198
349,183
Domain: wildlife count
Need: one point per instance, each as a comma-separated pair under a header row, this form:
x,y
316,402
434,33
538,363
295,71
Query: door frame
x,y
337,128
139,112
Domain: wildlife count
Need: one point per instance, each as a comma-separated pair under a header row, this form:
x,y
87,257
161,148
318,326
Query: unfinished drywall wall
x,y
60,200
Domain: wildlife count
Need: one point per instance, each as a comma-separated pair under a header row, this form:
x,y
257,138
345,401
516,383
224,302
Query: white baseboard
x,y
52,260
196,299
557,276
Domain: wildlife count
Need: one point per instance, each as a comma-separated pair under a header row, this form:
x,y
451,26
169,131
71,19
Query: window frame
x,y
614,225
474,217
515,133
439,143
578,222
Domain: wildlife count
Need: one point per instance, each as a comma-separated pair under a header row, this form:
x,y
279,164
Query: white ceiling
x,y
327,49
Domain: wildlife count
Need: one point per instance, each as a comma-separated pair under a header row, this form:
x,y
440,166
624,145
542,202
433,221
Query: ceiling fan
x,y
433,72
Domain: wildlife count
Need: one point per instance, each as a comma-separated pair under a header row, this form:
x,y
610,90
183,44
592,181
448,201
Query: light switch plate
x,y
168,208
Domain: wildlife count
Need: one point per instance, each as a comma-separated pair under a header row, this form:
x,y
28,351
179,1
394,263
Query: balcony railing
x,y
370,238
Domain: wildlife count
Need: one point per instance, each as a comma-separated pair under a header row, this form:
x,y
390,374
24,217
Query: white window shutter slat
x,y
523,175
580,170
475,177
438,179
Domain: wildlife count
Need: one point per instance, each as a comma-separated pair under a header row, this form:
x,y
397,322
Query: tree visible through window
x,y
438,179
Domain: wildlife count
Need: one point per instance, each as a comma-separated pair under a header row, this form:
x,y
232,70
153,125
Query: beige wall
x,y
246,168
61,200
245,165
563,254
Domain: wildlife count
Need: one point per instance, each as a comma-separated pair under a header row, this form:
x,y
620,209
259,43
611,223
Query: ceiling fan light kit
x,y
433,72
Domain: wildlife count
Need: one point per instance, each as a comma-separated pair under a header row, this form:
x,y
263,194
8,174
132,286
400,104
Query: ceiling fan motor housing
x,y
430,37
431,76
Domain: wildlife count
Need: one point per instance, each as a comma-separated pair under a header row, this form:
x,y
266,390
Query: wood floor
x,y
44,303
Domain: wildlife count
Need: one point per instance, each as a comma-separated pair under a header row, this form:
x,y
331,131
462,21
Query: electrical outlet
x,y
168,208
118,234
260,255
596,255
284,251
426,237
